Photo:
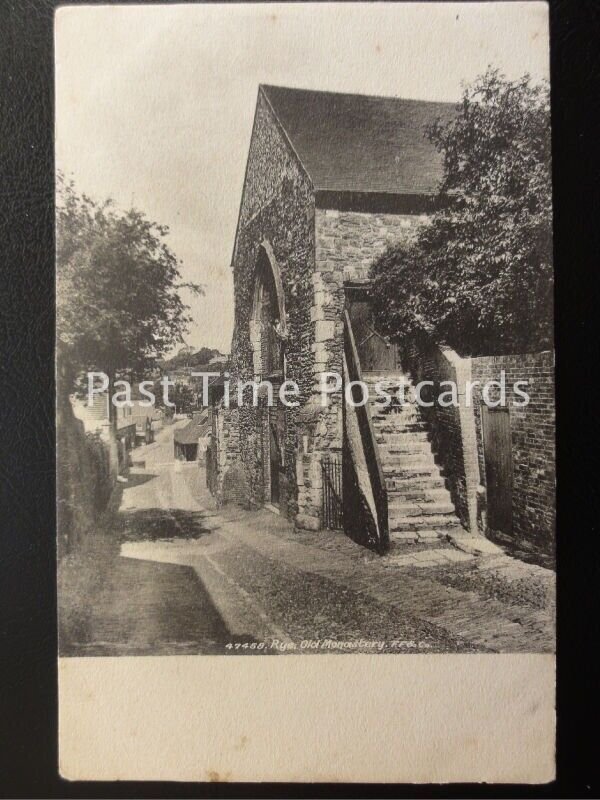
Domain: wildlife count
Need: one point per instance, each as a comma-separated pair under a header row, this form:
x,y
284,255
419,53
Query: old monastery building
x,y
332,180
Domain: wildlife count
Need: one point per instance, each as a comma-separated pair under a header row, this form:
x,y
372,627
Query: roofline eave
x,y
261,93
393,202
237,226
282,130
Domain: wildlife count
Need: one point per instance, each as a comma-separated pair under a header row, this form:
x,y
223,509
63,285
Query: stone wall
x,y
271,162
346,243
452,427
533,441
349,241
225,457
84,482
278,208
316,251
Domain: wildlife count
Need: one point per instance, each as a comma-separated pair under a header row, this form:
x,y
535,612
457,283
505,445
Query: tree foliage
x,y
119,306
200,358
479,273
183,397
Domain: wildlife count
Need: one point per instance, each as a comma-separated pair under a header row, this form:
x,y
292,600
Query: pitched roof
x,y
361,143
196,427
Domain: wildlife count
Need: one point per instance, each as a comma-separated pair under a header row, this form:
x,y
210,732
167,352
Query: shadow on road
x,y
151,524
138,479
145,608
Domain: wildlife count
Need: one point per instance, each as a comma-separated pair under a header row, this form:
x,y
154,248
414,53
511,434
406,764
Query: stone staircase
x,y
420,509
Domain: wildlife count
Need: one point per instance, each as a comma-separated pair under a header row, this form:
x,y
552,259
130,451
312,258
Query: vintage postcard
x,y
305,392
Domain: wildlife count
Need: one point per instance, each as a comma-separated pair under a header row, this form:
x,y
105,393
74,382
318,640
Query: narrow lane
x,y
188,578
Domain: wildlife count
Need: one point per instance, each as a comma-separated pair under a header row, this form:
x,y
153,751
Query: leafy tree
x,y
204,355
200,358
118,289
479,274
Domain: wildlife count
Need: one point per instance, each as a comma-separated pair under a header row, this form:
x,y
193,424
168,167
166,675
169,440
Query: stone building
x,y
331,180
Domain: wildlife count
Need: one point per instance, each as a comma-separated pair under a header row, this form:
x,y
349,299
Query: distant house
x,y
216,388
95,418
95,415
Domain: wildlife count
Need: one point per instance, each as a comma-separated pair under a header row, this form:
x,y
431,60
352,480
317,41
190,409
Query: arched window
x,y
268,331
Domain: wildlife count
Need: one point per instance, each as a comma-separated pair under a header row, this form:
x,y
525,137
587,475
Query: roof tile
x,y
361,143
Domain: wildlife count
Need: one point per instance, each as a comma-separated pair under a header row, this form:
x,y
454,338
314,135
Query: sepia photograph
x,y
304,344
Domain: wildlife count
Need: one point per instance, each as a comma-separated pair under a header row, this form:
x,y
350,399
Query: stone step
x,y
393,408
403,415
425,521
416,483
427,536
421,473
402,537
407,460
376,402
474,545
398,426
396,388
413,508
373,377
399,423
404,391
411,437
419,494
423,536
393,378
404,447
407,447
390,384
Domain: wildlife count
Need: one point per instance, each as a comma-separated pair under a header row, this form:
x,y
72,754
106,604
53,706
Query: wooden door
x,y
375,352
498,467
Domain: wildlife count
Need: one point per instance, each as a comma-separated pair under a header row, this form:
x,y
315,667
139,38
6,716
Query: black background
x,y
28,694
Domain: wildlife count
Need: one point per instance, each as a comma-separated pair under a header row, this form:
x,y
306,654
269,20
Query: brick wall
x,y
457,435
532,430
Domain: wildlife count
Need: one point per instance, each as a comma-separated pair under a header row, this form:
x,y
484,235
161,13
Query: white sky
x,y
155,103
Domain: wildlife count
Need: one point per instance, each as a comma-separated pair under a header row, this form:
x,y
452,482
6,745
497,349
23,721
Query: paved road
x,y
189,579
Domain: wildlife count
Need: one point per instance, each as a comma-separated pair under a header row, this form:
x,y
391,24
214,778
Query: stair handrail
x,y
367,432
